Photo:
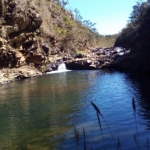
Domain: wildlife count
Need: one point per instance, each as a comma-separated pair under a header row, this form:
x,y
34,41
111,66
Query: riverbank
x,y
8,75
94,59
46,109
97,58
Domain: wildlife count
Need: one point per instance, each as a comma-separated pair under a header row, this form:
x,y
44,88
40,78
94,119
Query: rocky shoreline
x,y
36,36
97,58
9,75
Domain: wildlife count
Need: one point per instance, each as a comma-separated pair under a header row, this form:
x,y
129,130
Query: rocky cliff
x,y
36,31
40,32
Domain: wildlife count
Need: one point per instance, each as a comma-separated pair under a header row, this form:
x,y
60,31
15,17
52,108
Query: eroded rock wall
x,y
27,32
19,24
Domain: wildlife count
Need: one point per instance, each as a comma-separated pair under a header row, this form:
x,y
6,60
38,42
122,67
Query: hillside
x,y
136,37
40,32
43,28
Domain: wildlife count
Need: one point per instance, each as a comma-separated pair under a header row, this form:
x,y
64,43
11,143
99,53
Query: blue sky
x,y
110,16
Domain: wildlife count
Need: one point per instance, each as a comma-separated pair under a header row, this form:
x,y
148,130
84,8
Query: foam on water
x,y
61,68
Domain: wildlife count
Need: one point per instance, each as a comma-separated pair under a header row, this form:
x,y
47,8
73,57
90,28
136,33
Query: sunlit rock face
x,y
19,23
40,32
97,58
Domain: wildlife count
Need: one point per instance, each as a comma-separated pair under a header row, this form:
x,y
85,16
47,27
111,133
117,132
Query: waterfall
x,y
61,68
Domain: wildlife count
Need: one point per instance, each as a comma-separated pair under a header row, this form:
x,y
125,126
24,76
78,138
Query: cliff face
x,y
19,25
38,32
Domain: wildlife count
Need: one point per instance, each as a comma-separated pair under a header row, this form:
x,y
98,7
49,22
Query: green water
x,y
34,112
40,113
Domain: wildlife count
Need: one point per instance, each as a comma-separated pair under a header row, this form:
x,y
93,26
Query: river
x,y
40,113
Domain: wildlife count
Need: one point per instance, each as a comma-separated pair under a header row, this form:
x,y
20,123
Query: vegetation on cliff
x,y
41,31
136,36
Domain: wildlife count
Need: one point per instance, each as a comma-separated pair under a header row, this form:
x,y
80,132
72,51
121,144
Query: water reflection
x,y
143,98
112,92
40,113
35,111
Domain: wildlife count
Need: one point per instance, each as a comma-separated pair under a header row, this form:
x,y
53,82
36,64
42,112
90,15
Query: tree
x,y
78,17
138,12
90,25
64,3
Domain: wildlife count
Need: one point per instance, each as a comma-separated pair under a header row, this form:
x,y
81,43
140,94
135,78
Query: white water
x,y
61,68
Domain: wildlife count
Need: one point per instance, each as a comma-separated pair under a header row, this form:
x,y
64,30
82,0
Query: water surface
x,y
40,113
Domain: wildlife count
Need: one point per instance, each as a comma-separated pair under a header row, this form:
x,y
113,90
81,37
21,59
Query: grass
x,y
61,31
99,114
136,137
117,142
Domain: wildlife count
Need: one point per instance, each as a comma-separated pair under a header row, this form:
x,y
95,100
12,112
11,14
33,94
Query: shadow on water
x,y
41,113
143,86
113,92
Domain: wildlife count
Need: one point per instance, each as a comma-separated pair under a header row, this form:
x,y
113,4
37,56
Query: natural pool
x,y
40,113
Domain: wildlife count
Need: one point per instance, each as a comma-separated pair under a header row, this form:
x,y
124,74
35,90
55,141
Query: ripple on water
x,y
40,113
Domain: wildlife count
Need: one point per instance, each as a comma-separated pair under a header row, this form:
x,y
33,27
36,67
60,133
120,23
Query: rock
x,y
89,61
37,59
45,48
79,56
121,53
119,49
20,59
9,75
96,59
